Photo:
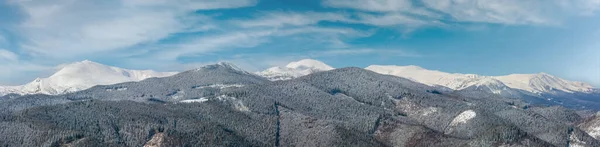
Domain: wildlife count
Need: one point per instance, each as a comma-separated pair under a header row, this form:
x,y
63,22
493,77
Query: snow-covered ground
x,y
592,126
463,117
221,86
200,100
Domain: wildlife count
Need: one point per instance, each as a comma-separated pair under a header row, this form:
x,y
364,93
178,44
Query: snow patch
x,y
220,86
157,140
177,94
463,117
237,104
429,110
594,132
200,100
575,142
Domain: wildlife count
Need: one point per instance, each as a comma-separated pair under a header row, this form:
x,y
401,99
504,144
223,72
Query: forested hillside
x,y
220,105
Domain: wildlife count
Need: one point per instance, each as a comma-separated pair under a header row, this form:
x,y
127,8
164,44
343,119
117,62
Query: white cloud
x,y
69,28
290,19
364,51
248,39
493,11
193,4
210,43
371,5
395,7
583,7
394,19
281,19
510,12
12,70
6,55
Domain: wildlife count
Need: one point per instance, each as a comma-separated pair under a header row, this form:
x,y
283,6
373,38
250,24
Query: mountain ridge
x,y
540,88
535,83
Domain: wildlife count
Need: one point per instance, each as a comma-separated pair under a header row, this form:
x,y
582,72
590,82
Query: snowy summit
x,y
295,69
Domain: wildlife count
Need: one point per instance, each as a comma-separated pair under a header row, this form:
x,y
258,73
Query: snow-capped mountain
x,y
543,83
533,83
431,77
79,76
513,84
294,70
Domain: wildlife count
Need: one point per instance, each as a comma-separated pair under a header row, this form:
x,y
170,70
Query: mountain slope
x,y
592,126
295,69
79,76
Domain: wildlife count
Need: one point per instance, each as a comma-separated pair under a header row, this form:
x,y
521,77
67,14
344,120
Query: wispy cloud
x,y
65,27
281,19
14,69
9,56
249,38
369,5
491,11
365,51
509,12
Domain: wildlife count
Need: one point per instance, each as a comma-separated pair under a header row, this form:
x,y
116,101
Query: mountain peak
x,y
309,64
295,69
223,65
87,61
83,67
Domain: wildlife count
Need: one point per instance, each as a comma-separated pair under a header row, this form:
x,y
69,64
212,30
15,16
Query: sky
x,y
487,37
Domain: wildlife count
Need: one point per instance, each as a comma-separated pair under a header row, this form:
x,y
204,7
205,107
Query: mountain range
x,y
222,105
539,88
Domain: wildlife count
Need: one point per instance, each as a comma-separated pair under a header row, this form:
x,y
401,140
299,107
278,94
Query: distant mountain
x,y
539,88
295,69
79,76
534,83
542,88
544,83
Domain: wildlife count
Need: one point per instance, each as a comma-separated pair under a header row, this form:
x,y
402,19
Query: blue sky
x,y
487,37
